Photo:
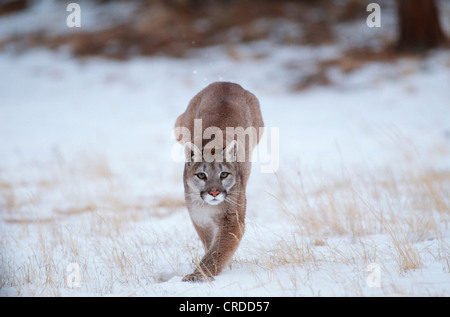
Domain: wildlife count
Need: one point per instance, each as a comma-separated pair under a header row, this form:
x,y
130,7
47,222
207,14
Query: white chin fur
x,y
214,200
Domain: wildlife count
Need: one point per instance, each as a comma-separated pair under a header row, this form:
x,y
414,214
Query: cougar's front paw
x,y
197,277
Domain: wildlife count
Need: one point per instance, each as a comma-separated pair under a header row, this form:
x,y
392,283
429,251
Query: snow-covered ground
x,y
91,199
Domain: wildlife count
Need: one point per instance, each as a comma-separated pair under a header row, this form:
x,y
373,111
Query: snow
x,y
87,177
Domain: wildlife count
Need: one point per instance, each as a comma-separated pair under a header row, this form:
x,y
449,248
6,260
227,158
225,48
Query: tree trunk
x,y
419,25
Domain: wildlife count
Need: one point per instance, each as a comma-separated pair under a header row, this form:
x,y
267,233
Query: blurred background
x,y
121,29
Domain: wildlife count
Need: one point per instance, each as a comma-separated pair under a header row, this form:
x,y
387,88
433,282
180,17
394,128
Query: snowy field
x,y
92,203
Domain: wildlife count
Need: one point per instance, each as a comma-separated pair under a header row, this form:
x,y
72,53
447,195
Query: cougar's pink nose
x,y
214,192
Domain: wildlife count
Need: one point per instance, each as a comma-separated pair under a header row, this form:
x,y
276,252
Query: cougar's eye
x,y
201,175
224,175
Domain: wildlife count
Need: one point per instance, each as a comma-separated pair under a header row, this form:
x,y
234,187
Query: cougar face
x,y
210,182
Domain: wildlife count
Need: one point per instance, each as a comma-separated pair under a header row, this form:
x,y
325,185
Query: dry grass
x,y
409,206
334,227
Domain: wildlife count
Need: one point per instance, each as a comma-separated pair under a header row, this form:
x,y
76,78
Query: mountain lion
x,y
217,168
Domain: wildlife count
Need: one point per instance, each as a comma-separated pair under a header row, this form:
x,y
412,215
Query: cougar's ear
x,y
192,153
230,152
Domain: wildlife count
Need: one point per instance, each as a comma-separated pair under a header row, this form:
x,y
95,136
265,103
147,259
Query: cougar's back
x,y
222,105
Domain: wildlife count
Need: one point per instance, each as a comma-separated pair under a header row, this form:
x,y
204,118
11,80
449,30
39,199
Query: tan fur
x,y
219,227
